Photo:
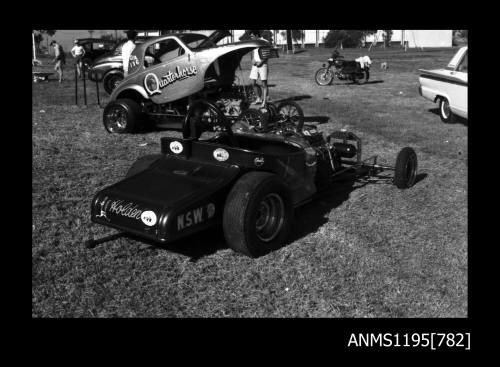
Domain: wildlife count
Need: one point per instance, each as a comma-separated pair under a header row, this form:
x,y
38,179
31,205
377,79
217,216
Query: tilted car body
x,y
448,86
167,73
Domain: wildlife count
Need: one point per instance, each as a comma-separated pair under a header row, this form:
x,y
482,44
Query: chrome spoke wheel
x,y
116,119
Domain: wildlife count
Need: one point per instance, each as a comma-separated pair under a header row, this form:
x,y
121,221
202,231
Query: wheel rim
x,y
445,109
270,217
116,119
290,114
324,78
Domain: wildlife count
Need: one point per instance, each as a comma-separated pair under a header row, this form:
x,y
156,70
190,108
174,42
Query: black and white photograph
x,y
250,174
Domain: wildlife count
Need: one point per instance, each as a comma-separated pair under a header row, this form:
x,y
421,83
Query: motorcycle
x,y
344,70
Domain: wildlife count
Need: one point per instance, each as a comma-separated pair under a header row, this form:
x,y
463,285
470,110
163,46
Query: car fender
x,y
118,92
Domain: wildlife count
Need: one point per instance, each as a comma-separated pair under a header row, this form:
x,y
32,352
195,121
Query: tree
x,y
91,32
39,36
346,37
387,37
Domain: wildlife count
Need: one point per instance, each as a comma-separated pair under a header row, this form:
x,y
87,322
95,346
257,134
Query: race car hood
x,y
170,199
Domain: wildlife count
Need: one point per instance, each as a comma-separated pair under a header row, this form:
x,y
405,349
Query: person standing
x,y
78,52
127,49
59,59
259,69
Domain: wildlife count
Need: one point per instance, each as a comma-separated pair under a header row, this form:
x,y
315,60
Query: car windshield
x,y
196,41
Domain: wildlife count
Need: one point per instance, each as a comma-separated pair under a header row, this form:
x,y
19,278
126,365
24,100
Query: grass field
x,y
362,251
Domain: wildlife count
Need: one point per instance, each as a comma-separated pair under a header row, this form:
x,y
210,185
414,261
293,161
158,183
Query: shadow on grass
x,y
308,219
319,119
458,119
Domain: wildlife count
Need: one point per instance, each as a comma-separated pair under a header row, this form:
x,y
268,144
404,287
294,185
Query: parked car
x,y
448,87
108,68
95,47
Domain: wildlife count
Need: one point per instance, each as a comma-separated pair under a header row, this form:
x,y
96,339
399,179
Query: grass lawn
x,y
362,251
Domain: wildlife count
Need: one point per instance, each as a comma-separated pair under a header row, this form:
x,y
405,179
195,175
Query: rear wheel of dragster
x,y
445,111
204,120
324,76
141,164
258,214
290,116
111,81
406,168
122,116
249,119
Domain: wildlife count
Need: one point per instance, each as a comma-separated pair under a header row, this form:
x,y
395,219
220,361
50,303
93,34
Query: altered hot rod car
x,y
232,175
167,73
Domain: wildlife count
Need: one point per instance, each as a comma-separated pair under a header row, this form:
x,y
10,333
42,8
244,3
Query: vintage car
x,y
220,174
448,87
95,47
108,68
167,73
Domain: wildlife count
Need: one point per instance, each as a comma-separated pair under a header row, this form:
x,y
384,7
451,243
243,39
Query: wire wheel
x,y
324,76
290,116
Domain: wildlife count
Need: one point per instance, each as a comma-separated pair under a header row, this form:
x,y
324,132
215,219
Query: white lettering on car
x,y
195,216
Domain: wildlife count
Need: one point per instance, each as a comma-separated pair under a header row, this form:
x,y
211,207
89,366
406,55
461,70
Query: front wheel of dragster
x,y
323,76
406,168
290,115
121,116
258,214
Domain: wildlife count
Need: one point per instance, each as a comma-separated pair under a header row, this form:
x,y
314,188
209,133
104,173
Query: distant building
x,y
316,38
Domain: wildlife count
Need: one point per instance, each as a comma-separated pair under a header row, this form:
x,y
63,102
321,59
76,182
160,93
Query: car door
x,y
171,71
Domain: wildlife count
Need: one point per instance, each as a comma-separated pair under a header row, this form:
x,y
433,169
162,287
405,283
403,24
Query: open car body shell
x,y
184,75
184,190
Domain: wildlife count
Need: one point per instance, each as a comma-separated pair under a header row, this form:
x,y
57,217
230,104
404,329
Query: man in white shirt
x,y
127,49
78,52
259,69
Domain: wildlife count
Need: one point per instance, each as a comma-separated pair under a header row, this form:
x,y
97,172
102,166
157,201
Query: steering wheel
x,y
205,116
156,59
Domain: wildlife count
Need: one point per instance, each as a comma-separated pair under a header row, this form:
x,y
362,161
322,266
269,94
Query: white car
x,y
448,87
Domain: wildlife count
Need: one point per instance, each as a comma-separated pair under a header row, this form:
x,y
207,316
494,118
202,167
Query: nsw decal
x,y
176,147
195,216
221,154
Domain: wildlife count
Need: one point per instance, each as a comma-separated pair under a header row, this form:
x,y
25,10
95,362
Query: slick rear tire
x,y
445,111
406,168
258,214
121,116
